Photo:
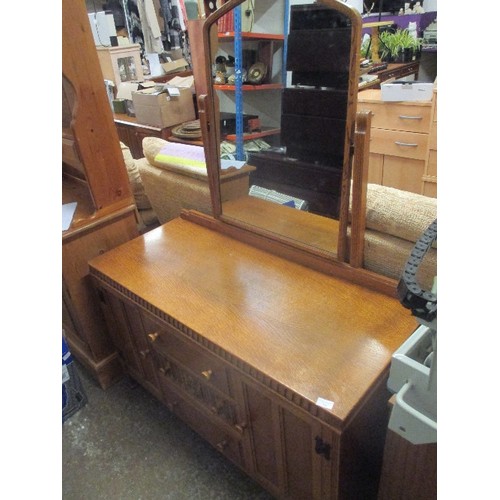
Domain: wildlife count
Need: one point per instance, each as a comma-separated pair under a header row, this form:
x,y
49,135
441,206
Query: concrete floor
x,y
125,445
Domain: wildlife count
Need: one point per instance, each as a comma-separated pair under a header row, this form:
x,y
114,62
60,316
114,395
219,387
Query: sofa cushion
x,y
170,192
399,213
387,255
185,159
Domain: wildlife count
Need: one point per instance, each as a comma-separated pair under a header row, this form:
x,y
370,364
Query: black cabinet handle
x,y
322,448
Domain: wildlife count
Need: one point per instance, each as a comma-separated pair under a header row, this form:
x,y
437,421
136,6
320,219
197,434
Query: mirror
x,y
281,107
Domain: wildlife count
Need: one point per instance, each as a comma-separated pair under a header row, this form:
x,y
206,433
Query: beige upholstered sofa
x,y
146,214
173,188
394,220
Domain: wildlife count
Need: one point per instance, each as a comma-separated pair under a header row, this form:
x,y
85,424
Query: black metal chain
x,y
423,303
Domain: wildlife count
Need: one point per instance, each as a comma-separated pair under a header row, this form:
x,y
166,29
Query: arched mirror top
x,y
281,106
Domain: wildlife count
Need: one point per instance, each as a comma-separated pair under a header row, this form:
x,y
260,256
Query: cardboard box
x,y
399,90
125,89
162,109
176,65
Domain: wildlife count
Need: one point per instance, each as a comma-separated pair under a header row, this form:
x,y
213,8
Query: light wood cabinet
x,y
94,176
430,178
403,146
121,64
240,344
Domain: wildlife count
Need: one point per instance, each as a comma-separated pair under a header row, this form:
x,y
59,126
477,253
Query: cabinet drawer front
x,y
398,116
223,441
201,363
174,374
403,144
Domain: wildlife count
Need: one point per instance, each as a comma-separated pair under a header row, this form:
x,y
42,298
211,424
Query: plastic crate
x,y
73,394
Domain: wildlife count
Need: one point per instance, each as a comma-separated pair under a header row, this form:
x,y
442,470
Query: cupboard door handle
x,y
144,353
408,117
207,374
322,448
406,144
153,336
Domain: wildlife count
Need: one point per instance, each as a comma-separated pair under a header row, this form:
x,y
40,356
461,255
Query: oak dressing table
x,y
240,344
258,326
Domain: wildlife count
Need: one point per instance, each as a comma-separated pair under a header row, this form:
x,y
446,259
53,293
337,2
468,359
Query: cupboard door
x,y
120,332
403,173
293,457
138,325
298,438
127,326
310,456
264,436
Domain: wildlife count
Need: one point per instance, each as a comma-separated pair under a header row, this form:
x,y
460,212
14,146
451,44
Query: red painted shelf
x,y
254,135
246,87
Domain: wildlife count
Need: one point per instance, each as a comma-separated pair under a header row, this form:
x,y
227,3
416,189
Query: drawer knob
x,y
164,370
171,406
221,445
241,427
207,374
153,336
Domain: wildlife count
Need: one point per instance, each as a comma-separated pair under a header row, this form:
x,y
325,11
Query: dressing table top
x,y
314,335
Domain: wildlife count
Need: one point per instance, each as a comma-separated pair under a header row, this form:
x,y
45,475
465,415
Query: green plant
x,y
394,43
366,48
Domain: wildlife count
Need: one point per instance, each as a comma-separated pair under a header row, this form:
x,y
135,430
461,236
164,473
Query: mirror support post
x,y
356,26
359,187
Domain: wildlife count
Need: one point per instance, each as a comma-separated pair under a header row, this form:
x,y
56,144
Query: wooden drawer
x,y
172,373
199,362
396,116
217,436
397,143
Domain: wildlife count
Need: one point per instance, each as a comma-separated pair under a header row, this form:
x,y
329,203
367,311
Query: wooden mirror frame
x,y
347,263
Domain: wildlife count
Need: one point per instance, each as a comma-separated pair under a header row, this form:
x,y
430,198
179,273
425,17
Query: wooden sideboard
x,y
281,368
131,133
398,70
403,144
